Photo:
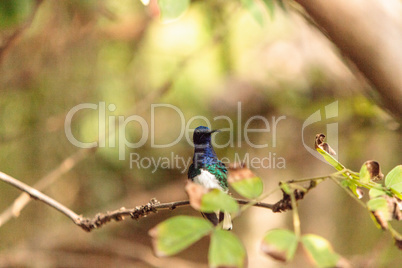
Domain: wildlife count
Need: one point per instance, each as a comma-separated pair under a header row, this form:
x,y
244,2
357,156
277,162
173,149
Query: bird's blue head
x,y
202,136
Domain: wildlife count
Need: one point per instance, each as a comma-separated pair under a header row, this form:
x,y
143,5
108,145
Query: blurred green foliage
x,y
13,12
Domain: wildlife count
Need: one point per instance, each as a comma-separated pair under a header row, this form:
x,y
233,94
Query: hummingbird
x,y
208,171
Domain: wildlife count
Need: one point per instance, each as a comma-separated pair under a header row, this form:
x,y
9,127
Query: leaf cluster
x,y
226,249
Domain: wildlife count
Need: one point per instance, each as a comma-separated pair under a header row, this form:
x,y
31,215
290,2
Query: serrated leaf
x,y
320,251
178,233
216,200
338,166
226,250
254,10
393,179
249,187
172,9
280,244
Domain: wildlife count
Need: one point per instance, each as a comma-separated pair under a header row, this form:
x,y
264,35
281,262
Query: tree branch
x,y
369,34
35,194
88,224
19,203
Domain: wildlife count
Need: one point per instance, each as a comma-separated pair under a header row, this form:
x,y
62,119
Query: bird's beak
x,y
215,130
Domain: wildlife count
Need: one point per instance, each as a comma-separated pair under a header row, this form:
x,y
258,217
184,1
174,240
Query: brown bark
x,y
369,32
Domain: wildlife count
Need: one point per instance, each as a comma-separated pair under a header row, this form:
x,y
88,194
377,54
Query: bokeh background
x,y
215,56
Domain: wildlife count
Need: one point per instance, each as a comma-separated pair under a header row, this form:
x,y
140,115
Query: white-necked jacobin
x,y
209,171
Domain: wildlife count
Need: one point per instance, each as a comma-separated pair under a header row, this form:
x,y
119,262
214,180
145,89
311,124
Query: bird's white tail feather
x,y
227,221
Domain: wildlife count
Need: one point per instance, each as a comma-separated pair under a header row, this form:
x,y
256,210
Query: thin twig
x,y
100,219
257,202
347,191
317,178
296,219
21,201
35,194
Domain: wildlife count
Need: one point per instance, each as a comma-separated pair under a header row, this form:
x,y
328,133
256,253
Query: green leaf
x,y
226,250
338,166
373,193
381,213
345,183
280,244
254,10
178,233
320,251
270,6
396,193
393,180
380,204
172,9
377,203
364,174
216,200
353,187
248,187
370,171
285,187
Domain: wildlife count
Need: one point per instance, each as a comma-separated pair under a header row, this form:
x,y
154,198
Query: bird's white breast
x,y
207,180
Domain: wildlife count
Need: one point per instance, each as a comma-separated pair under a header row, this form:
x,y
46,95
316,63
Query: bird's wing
x,y
193,172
